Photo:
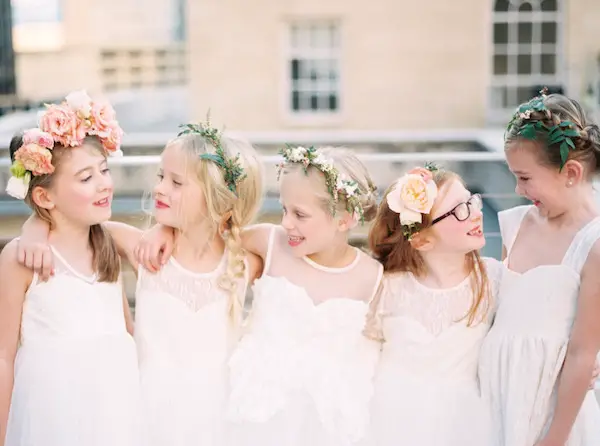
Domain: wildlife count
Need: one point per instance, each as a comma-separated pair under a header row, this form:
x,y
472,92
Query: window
x,y
527,52
314,68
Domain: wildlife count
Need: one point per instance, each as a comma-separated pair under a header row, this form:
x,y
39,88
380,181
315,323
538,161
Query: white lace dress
x,y
184,338
76,373
426,387
302,374
523,354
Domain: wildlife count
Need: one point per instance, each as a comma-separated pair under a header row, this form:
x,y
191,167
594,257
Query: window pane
x,y
524,94
499,97
295,100
549,32
295,69
525,7
549,5
500,32
314,102
502,5
333,102
500,64
524,64
548,63
525,32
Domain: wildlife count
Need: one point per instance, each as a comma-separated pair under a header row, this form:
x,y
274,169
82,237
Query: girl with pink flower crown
x,y
536,361
302,373
68,365
188,314
435,307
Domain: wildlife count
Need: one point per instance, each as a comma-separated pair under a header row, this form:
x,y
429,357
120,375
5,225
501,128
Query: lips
x,y
161,205
477,231
294,241
105,202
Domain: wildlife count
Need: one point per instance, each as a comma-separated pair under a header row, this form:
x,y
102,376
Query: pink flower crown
x,y
67,124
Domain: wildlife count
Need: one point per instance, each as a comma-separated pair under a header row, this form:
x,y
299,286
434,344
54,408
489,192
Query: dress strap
x,y
510,222
582,243
270,246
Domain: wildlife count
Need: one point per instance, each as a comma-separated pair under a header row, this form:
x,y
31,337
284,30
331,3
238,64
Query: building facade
x,y
270,65
7,61
100,46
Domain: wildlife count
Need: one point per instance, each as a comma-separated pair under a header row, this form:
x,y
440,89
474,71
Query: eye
x,y
300,215
177,183
160,176
524,179
105,170
86,179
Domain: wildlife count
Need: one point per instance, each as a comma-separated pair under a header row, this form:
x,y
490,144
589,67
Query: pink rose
x,y
112,142
426,174
36,159
103,120
36,136
64,125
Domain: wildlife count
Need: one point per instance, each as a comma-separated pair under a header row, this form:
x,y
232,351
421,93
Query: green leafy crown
x,y
337,185
529,126
233,172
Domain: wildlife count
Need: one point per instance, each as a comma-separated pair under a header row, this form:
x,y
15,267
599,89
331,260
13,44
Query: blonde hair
x,y
227,209
105,258
397,254
347,163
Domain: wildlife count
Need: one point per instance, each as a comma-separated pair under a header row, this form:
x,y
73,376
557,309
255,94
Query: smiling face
x,y
450,234
80,190
543,184
179,198
307,218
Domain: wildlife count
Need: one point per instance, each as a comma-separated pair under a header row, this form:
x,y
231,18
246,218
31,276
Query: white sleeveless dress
x,y
302,374
524,351
184,337
76,373
426,387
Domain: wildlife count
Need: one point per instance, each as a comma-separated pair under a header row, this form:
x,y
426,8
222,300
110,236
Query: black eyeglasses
x,y
462,211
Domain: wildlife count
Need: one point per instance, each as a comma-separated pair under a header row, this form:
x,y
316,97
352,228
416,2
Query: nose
x,y
518,189
159,189
106,183
286,222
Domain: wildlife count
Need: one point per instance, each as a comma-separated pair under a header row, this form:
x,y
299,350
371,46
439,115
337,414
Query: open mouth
x,y
294,241
102,203
475,232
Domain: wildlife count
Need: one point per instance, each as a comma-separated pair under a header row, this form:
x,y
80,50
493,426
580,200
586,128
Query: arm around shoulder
x,y
16,279
255,238
255,267
126,238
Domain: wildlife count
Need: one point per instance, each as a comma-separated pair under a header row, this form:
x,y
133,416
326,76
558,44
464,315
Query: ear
x,y
421,242
346,222
224,224
42,198
574,172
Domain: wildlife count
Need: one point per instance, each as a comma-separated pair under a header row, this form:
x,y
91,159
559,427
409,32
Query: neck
x,y
582,208
69,236
444,270
197,242
337,256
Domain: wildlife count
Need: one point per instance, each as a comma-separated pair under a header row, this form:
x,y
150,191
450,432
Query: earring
x,y
569,183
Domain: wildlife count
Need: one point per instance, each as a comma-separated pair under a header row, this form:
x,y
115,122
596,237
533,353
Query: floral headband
x,y
233,171
337,184
412,196
67,124
528,126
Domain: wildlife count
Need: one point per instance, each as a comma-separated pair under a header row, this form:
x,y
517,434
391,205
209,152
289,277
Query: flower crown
x,y
412,196
337,184
528,127
233,171
67,124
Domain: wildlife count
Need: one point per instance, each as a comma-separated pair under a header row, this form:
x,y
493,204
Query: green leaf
x,y
564,153
214,158
572,133
559,137
566,124
570,142
528,131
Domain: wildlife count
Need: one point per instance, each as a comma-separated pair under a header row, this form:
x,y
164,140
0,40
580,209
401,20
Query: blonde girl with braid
x,y
302,373
188,313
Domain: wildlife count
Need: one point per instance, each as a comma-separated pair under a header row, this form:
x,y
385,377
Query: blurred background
x,y
400,82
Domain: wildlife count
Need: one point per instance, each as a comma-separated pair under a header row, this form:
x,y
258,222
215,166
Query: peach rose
x,y
103,119
411,197
80,103
63,124
36,159
36,136
112,141
426,174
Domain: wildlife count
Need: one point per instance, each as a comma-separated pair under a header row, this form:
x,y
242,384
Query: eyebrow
x,y
79,172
